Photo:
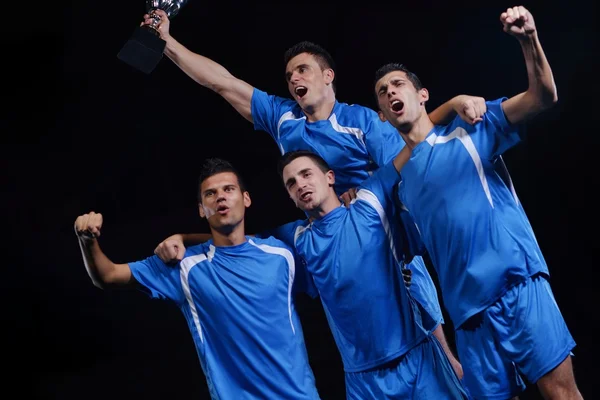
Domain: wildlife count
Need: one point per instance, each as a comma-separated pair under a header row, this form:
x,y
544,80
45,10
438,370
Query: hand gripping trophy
x,y
145,48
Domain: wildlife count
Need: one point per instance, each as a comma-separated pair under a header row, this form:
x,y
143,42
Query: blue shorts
x,y
522,333
424,292
422,373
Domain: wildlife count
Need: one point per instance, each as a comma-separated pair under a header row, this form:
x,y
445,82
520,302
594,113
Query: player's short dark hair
x,y
322,56
290,156
387,68
213,166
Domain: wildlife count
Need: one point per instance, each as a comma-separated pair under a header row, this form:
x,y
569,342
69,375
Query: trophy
x,y
145,48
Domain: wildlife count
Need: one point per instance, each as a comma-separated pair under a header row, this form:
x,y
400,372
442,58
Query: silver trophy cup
x,y
145,48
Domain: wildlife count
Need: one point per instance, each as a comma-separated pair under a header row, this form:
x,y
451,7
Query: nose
x,y
220,195
301,183
391,92
295,77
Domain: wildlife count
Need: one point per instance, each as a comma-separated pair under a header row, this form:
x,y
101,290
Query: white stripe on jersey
x,y
185,267
462,135
358,133
369,197
288,116
285,253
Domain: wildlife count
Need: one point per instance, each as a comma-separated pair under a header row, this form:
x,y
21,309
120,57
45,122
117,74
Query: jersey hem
x,y
494,299
374,364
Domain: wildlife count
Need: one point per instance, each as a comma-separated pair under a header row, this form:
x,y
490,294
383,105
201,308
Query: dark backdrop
x,y
82,131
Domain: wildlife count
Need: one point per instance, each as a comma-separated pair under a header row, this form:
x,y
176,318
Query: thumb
x,y
470,112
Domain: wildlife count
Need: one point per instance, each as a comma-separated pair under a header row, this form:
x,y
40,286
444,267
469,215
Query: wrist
x,y
528,39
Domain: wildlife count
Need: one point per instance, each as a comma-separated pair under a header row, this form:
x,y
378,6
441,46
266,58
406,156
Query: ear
x,y
329,76
330,176
424,95
247,200
201,211
382,117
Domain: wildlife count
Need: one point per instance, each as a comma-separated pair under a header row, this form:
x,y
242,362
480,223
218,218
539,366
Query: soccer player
x,y
235,292
351,138
493,276
351,256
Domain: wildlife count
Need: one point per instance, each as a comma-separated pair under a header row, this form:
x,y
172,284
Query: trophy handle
x,y
153,27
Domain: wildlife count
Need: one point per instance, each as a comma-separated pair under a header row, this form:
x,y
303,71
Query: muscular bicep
x,y
120,274
239,94
520,108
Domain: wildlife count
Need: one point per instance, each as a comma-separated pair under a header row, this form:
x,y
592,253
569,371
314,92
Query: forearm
x,y
541,81
201,69
190,239
402,158
101,270
444,113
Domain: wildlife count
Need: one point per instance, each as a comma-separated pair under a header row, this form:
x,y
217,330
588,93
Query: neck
x,y
328,205
322,110
415,132
229,236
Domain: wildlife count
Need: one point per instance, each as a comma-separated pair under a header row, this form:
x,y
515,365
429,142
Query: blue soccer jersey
x,y
473,226
238,304
352,258
354,142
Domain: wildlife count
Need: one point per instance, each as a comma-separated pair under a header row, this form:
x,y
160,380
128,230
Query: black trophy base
x,y
143,50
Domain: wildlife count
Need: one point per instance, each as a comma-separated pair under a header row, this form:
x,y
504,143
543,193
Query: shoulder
x,y
282,102
271,245
195,254
357,111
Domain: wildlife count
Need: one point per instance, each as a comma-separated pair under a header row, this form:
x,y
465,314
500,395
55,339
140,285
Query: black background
x,y
82,131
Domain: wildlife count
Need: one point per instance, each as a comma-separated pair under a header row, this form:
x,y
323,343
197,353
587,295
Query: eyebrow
x,y
288,74
212,189
394,80
292,180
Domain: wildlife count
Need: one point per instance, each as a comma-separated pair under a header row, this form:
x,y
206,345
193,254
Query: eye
x,y
302,69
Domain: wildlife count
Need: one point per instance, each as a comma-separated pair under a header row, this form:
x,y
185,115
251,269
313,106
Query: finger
x,y
476,120
170,253
516,14
180,253
352,193
523,13
503,17
80,222
477,107
344,198
509,16
469,112
160,13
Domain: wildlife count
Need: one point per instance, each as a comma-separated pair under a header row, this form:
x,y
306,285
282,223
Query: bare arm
x,y
100,268
402,158
469,108
541,92
206,72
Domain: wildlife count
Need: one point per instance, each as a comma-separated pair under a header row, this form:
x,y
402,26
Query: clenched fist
x,y
87,226
159,20
518,22
470,108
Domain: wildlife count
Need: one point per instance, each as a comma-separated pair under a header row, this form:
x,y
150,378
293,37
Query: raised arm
x,y
100,268
541,93
205,71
